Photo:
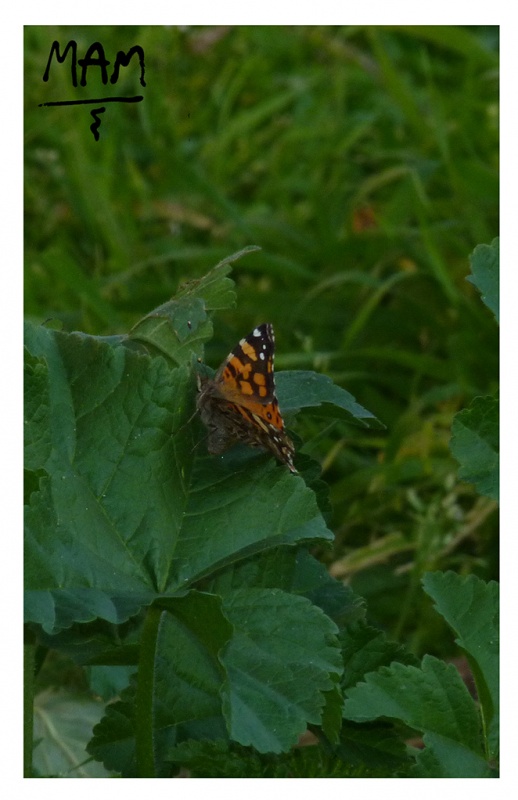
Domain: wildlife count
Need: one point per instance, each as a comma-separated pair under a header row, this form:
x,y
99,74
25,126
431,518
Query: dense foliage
x,y
363,162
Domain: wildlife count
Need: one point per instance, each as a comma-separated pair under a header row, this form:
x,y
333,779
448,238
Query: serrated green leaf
x,y
485,261
298,389
113,741
108,682
277,675
215,288
475,445
58,609
431,699
224,517
470,607
270,657
179,328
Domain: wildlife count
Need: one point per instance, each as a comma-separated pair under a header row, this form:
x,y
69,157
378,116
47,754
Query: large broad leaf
x,y
255,667
122,513
470,607
127,510
433,700
125,505
277,675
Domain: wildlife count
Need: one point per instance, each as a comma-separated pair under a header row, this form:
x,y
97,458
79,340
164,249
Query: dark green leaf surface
x,y
304,389
277,675
295,572
223,517
128,507
221,759
431,699
475,445
443,758
187,672
179,328
37,444
374,745
261,664
365,649
470,607
176,692
113,740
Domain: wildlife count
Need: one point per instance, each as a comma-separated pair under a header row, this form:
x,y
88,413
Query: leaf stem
x,y
144,711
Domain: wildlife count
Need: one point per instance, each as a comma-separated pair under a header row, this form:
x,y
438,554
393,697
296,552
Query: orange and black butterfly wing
x,y
240,403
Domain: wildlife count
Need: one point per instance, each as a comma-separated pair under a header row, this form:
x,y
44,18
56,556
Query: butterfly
x,y
240,405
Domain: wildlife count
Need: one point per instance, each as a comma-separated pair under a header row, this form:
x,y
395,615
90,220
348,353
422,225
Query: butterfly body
x,y
240,405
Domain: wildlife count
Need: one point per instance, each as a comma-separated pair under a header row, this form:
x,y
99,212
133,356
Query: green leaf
x,y
376,746
295,571
113,740
365,649
443,758
277,675
168,329
111,416
431,699
470,607
37,437
298,389
187,671
485,261
264,661
215,288
121,516
225,517
179,328
177,688
475,445
57,609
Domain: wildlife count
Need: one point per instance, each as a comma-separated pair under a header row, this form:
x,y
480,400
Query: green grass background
x,y
364,162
